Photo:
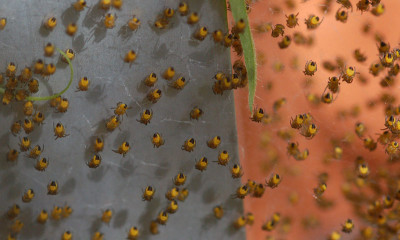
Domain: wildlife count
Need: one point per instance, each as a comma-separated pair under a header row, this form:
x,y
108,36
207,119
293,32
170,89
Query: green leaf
x,y
238,8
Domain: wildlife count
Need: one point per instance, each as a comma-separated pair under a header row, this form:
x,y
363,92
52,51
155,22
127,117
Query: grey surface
x,y
118,182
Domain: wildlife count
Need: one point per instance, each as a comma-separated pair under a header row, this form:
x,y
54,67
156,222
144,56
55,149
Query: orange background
x,y
331,39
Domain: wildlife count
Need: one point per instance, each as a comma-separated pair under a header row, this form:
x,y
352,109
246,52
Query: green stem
x,y
238,8
226,15
2,90
30,98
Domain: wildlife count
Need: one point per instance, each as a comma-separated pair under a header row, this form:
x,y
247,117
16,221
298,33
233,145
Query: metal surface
x,y
118,183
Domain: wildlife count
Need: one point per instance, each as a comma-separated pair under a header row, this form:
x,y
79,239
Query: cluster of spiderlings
x,y
304,124
292,21
237,80
14,85
379,208
19,87
333,85
374,194
376,205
